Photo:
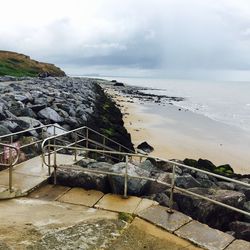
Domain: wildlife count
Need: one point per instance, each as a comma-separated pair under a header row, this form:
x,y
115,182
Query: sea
x,y
224,101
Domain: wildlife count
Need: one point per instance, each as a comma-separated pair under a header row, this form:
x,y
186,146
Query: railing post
x,y
120,156
87,138
171,202
41,148
103,143
10,170
55,169
125,196
54,155
75,148
49,159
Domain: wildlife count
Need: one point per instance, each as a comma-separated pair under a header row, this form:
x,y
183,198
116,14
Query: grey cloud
x,y
159,35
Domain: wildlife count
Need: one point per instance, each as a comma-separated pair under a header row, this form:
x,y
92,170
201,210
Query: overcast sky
x,y
131,37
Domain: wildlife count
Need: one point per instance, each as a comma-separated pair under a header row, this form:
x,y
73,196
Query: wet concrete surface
x,y
158,215
142,235
205,236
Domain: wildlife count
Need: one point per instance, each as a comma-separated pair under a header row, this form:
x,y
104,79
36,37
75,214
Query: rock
x,y
4,130
74,178
119,84
190,162
186,181
21,124
162,198
206,165
155,187
224,170
11,126
50,114
226,185
21,98
38,107
241,229
104,166
210,213
33,123
27,112
201,175
245,190
136,186
72,122
145,147
206,183
147,165
246,206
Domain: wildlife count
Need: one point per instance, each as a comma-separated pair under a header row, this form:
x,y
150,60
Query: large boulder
x,y
241,229
77,178
156,187
187,181
50,114
206,164
4,130
144,146
33,123
136,186
207,212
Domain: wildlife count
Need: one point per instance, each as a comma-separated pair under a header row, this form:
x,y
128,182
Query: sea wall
x,y
70,102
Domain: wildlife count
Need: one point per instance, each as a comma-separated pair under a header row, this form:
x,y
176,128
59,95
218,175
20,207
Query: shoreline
x,y
178,134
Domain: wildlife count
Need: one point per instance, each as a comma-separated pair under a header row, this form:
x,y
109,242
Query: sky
x,y
150,38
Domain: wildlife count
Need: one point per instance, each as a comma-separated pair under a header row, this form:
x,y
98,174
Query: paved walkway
x,y
180,229
28,175
49,208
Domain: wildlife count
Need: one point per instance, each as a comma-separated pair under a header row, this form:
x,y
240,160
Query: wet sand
x,y
180,134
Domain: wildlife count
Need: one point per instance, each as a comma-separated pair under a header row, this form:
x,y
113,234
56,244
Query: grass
x,y
14,64
125,217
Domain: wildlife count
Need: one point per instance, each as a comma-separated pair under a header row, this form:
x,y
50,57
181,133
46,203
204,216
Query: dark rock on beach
x,y
144,146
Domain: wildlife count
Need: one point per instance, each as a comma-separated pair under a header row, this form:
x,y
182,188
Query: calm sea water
x,y
227,102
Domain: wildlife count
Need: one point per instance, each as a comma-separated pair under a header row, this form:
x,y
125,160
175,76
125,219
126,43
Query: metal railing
x,y
81,137
132,156
12,159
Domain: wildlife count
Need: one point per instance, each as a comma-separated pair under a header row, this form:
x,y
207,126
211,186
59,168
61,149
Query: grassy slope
x,y
14,64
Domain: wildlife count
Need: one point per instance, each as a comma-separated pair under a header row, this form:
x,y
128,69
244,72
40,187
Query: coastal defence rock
x,y
241,229
74,178
210,213
135,186
70,102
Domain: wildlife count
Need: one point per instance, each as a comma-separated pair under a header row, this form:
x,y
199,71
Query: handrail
x,y
172,185
12,163
17,154
81,128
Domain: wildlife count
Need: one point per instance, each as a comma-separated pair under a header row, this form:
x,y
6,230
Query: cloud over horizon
x,y
130,37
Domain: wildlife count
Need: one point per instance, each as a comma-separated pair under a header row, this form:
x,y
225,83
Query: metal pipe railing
x,y
172,186
12,161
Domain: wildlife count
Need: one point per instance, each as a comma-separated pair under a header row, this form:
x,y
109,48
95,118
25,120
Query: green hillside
x,y
14,64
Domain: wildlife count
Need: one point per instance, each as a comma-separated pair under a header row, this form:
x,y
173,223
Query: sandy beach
x,y
180,134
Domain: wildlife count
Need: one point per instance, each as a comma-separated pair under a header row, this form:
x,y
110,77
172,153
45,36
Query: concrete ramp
x,y
28,175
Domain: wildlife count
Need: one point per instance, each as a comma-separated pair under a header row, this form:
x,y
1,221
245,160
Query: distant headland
x,y
15,64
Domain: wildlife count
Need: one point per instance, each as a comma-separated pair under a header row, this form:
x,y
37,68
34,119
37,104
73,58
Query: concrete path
x,y
55,217
153,222
28,175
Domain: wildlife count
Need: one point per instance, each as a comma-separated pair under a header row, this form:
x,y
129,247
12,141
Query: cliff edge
x,y
15,64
